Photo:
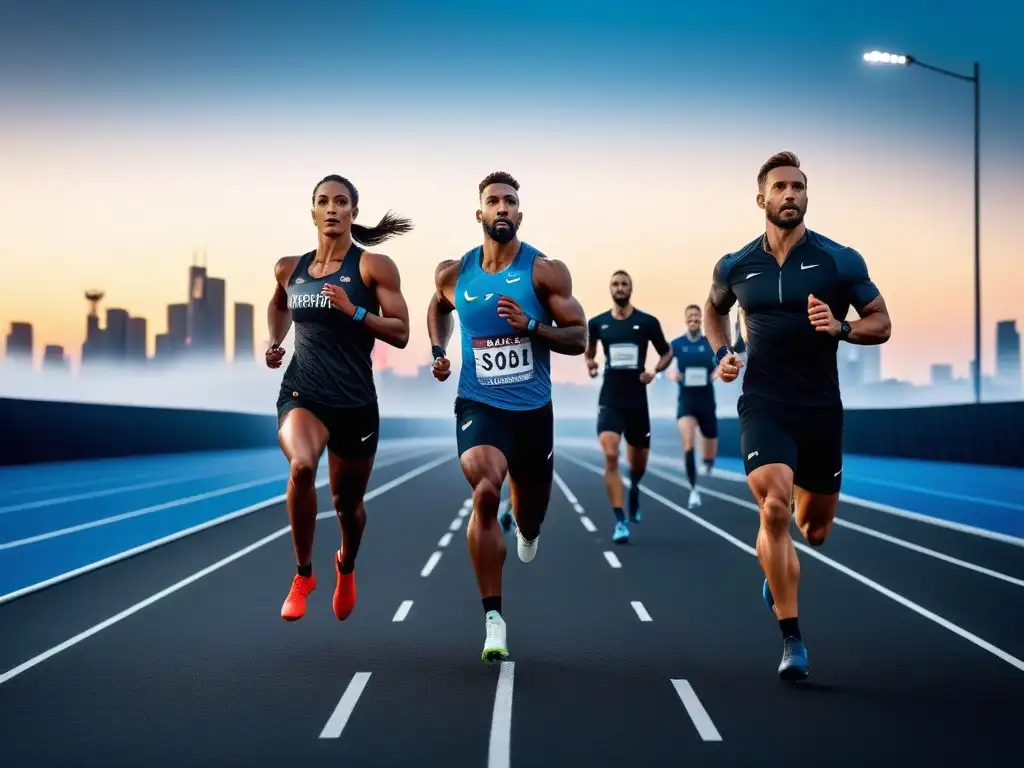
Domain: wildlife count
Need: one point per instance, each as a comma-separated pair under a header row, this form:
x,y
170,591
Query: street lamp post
x,y
878,57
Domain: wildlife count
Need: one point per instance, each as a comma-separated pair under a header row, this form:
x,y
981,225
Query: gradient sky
x,y
134,135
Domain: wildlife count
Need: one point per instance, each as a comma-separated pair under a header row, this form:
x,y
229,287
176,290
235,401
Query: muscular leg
x,y
485,468
772,486
302,437
814,514
636,456
530,504
349,478
612,479
687,432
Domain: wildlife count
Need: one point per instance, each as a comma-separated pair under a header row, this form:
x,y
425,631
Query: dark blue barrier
x,y
36,431
990,433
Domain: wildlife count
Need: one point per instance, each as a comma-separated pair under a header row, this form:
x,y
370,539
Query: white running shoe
x,y
495,644
694,499
527,550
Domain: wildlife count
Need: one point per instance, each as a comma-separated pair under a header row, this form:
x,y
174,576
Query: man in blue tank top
x,y
515,308
341,299
696,370
795,288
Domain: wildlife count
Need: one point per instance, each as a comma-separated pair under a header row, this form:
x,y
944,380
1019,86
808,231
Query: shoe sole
x,y
794,674
492,655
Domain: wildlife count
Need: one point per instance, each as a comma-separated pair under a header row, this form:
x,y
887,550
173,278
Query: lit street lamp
x,y
878,57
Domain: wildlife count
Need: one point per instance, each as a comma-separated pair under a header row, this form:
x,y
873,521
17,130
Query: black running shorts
x,y
526,438
353,432
631,422
703,410
809,440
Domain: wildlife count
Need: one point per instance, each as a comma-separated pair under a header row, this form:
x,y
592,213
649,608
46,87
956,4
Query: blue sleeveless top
x,y
501,367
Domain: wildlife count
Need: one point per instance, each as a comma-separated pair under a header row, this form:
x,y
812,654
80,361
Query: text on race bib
x,y
694,376
623,356
503,360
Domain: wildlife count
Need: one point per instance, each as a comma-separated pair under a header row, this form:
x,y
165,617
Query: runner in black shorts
x,y
341,298
624,333
696,369
795,288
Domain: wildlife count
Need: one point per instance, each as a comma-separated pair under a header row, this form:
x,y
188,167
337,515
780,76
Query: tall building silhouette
x,y
245,333
1008,355
19,344
135,341
206,314
53,358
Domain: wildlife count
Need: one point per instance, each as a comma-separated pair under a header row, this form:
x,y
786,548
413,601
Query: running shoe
x,y
495,643
345,591
294,607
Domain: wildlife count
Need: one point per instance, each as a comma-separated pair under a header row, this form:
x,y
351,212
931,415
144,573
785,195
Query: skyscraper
x,y
135,342
53,358
205,314
1008,355
20,343
245,341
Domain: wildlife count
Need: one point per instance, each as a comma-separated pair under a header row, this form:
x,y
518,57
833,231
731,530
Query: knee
x,y
611,460
302,470
636,472
344,504
486,497
775,514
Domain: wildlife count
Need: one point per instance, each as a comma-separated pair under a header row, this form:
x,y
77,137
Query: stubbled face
x,y
693,323
784,198
499,212
621,289
333,211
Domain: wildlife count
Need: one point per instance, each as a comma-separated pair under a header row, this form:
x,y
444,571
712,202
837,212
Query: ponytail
x,y
389,226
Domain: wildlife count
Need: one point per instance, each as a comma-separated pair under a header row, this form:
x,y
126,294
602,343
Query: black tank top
x,y
331,362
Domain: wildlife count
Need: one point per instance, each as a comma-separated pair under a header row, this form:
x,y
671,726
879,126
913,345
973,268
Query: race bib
x,y
623,356
503,360
695,376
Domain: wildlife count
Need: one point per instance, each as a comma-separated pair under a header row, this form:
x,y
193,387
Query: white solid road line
x,y
588,524
403,610
500,748
97,628
938,522
445,540
613,561
565,490
431,562
641,612
179,535
336,722
894,596
860,529
700,717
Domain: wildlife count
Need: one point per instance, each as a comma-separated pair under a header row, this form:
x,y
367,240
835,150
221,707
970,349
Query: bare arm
x,y
716,309
590,355
279,317
392,326
662,347
874,325
440,322
569,335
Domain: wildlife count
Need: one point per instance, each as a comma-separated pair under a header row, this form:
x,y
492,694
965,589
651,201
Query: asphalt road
x,y
655,653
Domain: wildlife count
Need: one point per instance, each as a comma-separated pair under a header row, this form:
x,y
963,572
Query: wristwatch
x,y
844,330
722,352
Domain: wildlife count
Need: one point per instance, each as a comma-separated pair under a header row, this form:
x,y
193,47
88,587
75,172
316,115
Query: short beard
x,y
503,235
776,219
620,303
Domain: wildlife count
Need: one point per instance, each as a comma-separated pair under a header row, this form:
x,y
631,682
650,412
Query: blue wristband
x,y
359,314
531,326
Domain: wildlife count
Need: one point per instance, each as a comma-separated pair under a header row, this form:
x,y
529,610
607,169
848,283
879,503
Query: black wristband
x,y
437,351
722,352
844,330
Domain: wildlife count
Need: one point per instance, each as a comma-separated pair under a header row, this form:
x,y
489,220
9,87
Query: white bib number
x,y
623,356
503,360
695,376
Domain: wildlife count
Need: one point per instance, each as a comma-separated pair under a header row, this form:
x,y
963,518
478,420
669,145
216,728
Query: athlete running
x,y
696,369
341,298
624,332
795,288
515,308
